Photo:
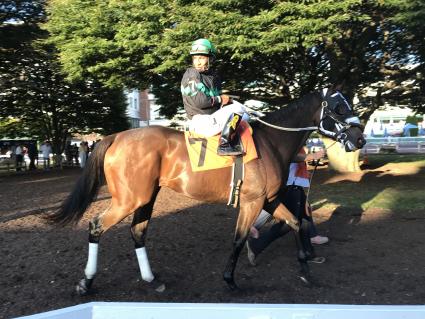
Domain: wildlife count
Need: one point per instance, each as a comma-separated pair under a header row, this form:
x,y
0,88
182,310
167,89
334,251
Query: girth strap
x,y
236,183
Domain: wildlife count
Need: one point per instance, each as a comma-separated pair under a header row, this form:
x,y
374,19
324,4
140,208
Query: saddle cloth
x,y
203,150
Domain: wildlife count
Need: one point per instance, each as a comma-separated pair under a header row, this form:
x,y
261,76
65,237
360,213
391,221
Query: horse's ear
x,y
333,89
339,87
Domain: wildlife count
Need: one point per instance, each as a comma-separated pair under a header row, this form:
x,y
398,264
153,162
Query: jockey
x,y
210,111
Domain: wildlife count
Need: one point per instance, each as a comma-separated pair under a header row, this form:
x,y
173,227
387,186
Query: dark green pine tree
x,y
36,100
269,50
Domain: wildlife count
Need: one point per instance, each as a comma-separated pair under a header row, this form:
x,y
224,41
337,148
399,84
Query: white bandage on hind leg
x,y
145,268
91,266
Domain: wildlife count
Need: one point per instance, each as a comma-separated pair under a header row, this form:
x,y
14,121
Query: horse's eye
x,y
340,109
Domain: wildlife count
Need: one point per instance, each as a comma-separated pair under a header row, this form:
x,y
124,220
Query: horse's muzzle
x,y
361,141
351,147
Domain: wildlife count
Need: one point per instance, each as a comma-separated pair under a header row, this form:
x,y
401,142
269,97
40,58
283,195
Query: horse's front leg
x,y
282,214
248,213
139,228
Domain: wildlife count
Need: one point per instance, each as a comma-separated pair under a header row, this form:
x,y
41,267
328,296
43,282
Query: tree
x,y
35,99
268,50
42,104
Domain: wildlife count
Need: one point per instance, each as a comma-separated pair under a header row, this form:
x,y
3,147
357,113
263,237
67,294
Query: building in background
x,y
133,107
390,121
142,109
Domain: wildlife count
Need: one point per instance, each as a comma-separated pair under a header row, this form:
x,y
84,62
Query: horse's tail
x,y
86,188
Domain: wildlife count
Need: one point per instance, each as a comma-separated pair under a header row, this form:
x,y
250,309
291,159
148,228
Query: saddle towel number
x,y
203,152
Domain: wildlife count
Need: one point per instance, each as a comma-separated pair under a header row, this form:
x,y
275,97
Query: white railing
x,y
400,145
137,310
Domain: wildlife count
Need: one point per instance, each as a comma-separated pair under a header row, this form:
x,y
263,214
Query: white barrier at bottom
x,y
133,310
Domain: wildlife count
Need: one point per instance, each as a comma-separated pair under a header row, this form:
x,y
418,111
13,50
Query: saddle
x,y
203,150
203,156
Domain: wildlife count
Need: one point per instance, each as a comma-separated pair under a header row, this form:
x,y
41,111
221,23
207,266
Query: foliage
x,y
268,50
35,99
22,11
43,105
414,119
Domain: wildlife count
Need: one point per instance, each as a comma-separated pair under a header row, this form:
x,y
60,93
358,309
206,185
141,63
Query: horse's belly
x,y
209,186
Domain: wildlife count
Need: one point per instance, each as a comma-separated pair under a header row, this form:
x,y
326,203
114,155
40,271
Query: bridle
x,y
342,126
326,112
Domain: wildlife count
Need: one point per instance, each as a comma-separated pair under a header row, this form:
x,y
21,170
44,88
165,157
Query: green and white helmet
x,y
202,47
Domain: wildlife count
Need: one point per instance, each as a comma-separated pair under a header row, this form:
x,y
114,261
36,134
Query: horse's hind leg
x,y
97,226
139,228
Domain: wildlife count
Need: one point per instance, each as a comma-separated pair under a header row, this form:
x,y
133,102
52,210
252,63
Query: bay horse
x,y
159,158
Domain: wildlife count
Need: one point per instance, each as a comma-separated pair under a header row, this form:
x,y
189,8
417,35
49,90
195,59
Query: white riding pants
x,y
212,124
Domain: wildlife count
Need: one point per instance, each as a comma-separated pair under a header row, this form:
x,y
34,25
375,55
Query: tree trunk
x,y
340,160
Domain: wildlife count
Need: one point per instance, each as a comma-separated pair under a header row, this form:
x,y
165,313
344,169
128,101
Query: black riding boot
x,y
229,140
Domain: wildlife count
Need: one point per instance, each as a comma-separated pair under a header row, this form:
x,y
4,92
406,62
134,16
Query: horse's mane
x,y
286,113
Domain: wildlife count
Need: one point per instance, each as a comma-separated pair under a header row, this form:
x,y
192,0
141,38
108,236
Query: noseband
x,y
342,126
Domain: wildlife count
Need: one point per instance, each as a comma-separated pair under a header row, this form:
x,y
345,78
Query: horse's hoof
x,y
82,288
156,285
307,280
232,285
160,288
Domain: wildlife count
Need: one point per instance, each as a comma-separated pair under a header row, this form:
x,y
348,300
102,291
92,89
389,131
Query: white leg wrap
x,y
145,268
91,266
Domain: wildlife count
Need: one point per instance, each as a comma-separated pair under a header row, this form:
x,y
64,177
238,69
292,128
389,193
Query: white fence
x,y
127,310
400,145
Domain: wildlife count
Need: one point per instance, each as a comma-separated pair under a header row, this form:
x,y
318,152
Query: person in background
x,y
46,150
68,153
83,153
32,154
74,154
295,200
19,157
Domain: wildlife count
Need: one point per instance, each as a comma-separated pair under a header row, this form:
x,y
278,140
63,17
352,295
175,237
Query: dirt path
x,y
375,257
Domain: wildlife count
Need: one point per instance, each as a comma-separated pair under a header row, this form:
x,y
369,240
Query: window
x,y
134,123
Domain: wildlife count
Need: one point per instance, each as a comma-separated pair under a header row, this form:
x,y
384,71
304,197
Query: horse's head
x,y
338,121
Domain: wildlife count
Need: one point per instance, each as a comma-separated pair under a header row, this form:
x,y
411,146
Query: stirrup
x,y
229,150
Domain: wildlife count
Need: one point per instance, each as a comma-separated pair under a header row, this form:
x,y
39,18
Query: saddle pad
x,y
203,150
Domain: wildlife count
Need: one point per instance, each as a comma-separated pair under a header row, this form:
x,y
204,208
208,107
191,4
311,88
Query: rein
x,y
314,171
290,129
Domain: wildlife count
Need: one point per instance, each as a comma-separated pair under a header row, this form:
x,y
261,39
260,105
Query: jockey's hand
x,y
225,99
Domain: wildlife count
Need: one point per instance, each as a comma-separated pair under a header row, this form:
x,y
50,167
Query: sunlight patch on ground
x,y
384,199
402,168
394,198
350,177
396,169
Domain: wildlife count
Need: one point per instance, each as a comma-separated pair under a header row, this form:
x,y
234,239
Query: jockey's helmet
x,y
203,47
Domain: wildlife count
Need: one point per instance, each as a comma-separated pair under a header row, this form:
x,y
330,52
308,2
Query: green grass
x,y
396,198
379,188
